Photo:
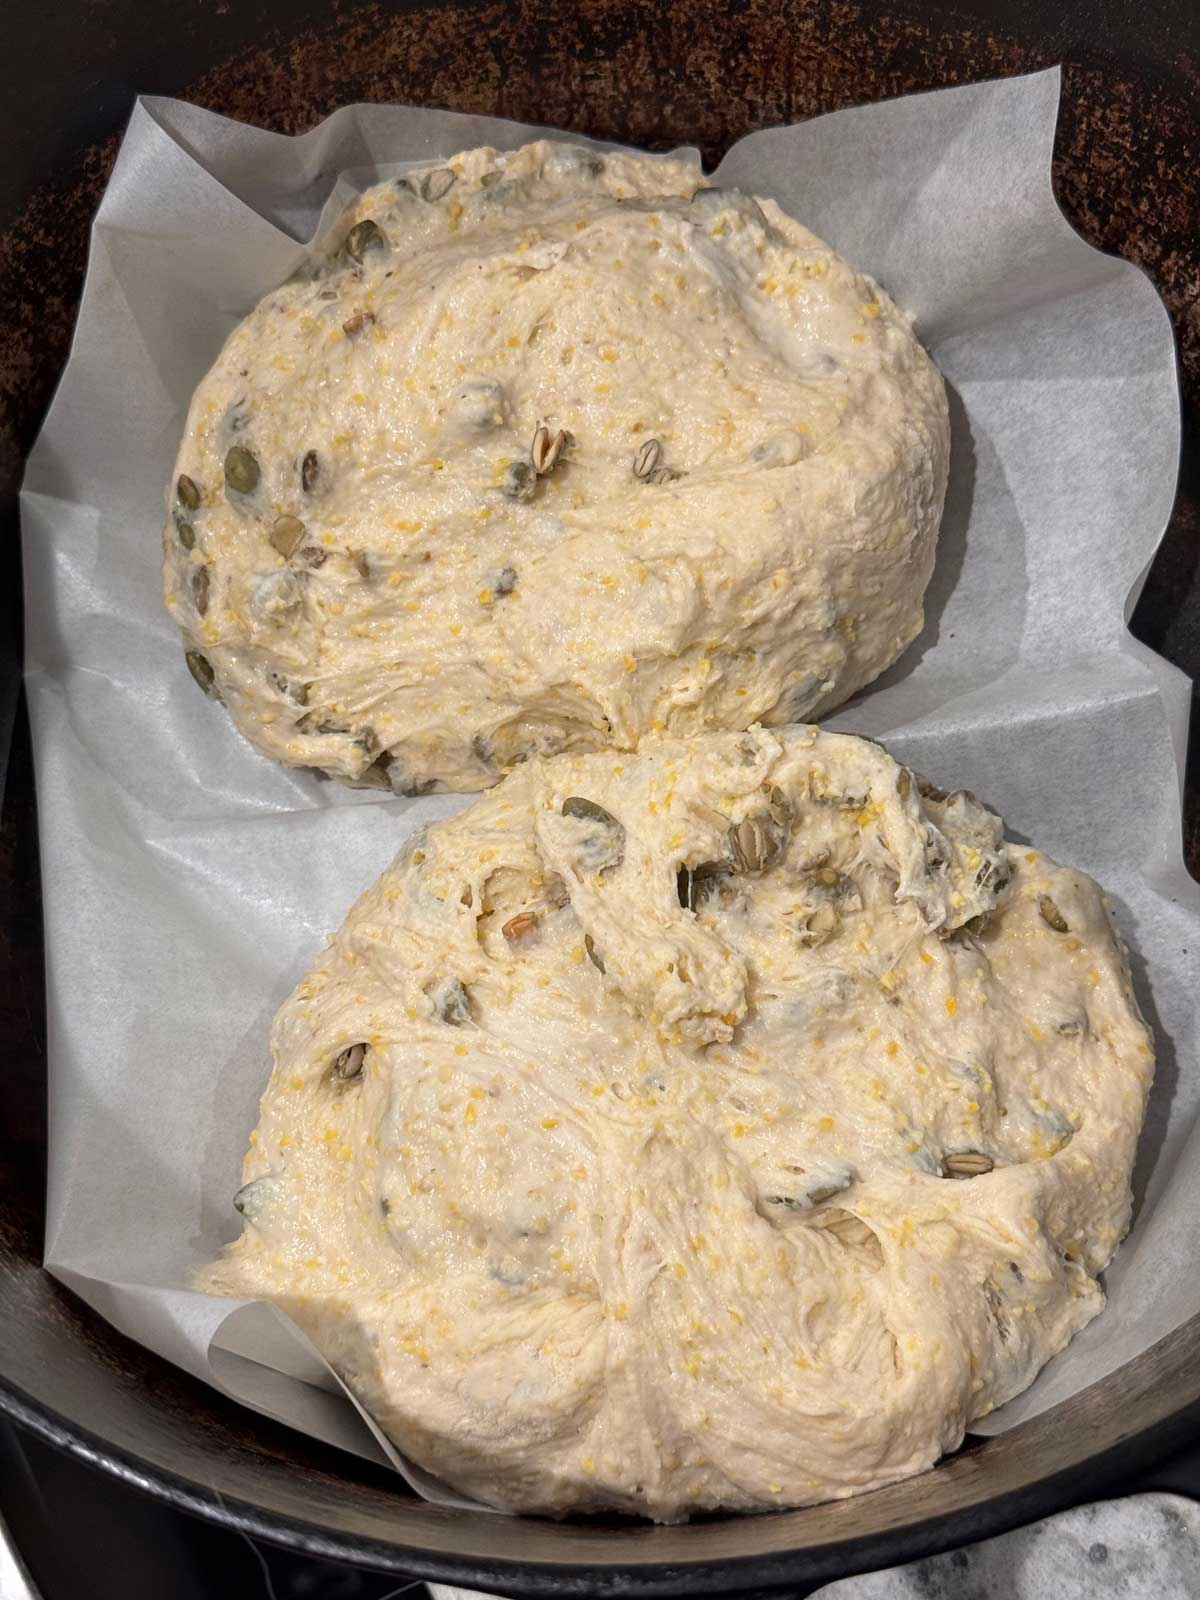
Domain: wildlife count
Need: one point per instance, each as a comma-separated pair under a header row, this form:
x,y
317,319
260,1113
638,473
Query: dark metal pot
x,y
653,73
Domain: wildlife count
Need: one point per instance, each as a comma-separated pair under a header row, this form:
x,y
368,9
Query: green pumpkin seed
x,y
310,471
354,325
505,581
363,237
1051,915
200,585
596,960
201,669
241,470
589,811
188,491
285,535
451,1003
436,185
253,1197
187,534
519,481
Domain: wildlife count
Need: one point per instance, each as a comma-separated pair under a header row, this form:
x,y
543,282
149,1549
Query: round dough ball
x,y
724,1126
386,570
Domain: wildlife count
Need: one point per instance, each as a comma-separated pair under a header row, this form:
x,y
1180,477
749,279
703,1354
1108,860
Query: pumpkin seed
x,y
966,1164
647,458
363,237
904,783
520,480
201,669
569,161
576,806
929,791
354,325
286,534
188,491
546,449
310,471
1051,915
436,185
253,1197
349,1064
518,927
451,1003
200,583
590,946
187,534
685,888
241,470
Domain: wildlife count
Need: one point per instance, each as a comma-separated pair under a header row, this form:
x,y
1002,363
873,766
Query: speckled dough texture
x,y
739,525
721,1126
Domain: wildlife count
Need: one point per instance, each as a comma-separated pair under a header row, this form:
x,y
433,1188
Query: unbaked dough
x,y
721,1126
744,461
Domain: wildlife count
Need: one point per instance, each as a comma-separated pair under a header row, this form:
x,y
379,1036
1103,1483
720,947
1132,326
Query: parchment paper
x,y
188,881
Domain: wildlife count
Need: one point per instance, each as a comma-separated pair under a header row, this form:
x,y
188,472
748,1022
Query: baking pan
x,y
654,75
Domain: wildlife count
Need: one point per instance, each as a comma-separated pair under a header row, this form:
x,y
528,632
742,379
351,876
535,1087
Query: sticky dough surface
x,y
641,1195
427,627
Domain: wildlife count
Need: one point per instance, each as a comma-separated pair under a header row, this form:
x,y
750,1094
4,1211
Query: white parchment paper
x,y
188,881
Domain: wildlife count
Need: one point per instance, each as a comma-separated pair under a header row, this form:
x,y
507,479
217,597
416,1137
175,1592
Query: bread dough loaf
x,y
722,1126
739,523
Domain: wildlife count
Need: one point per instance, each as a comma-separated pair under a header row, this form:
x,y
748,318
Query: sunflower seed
x,y
569,161
188,491
241,470
756,842
663,475
904,783
354,325
436,185
201,669
845,1226
187,534
451,1003
200,582
314,556
520,926
647,458
519,481
286,534
930,791
1051,915
1070,1027
363,237
966,1164
349,1064
310,471
596,960
546,449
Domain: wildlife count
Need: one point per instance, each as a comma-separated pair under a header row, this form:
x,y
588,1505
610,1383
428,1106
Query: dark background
x,y
653,74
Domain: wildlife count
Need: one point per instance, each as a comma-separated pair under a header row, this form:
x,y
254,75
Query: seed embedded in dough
x,y
364,237
356,324
647,458
546,449
519,481
349,1064
520,926
201,669
188,491
286,534
200,584
967,1164
241,470
1051,915
436,185
310,471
